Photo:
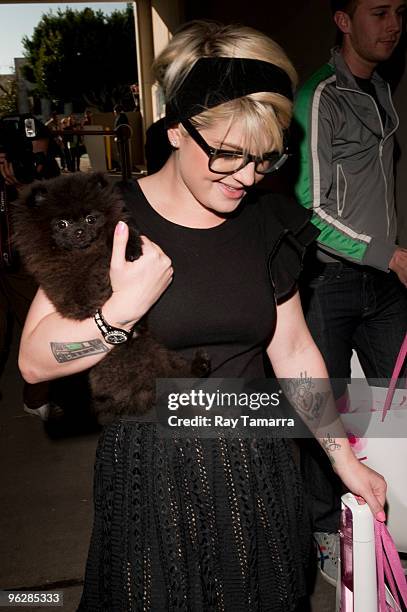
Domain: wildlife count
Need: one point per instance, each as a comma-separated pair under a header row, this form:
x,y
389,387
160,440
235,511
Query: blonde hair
x,y
262,116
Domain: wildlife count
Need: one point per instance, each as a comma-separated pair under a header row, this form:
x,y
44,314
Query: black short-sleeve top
x,y
227,279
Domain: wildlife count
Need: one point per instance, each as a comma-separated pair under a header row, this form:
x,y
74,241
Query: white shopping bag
x,y
376,423
382,444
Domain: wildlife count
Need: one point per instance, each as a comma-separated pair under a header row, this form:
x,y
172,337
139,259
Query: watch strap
x,y
109,331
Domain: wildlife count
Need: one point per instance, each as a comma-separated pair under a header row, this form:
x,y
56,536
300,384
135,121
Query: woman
x,y
187,523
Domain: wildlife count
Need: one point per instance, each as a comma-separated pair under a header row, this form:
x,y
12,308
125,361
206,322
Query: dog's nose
x,y
78,233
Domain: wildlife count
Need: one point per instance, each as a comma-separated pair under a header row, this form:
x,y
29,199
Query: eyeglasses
x,y
224,161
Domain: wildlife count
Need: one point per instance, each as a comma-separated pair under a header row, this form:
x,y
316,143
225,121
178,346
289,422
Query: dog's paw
x,y
201,365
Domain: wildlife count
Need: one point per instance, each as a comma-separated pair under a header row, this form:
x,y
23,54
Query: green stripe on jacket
x,y
331,237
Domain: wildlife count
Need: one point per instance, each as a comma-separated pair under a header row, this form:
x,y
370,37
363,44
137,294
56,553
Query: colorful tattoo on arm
x,y
68,351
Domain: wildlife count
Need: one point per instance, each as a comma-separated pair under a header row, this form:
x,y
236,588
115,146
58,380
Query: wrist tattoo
x,y
330,445
302,395
68,351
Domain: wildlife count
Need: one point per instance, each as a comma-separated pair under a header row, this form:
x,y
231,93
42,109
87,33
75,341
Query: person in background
x,y
120,117
354,293
87,118
85,121
54,125
53,122
23,158
75,143
66,140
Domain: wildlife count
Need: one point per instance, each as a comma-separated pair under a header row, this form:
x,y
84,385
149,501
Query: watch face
x,y
116,337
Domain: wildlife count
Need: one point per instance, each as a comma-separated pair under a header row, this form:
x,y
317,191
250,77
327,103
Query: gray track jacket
x,y
346,164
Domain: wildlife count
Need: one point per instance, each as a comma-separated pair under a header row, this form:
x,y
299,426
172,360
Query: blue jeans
x,y
348,307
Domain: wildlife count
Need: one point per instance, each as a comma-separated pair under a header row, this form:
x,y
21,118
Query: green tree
x,y
8,96
85,57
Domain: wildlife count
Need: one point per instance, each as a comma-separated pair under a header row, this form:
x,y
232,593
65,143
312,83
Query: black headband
x,y
215,80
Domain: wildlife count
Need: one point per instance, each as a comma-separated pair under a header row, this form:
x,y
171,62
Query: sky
x,y
18,20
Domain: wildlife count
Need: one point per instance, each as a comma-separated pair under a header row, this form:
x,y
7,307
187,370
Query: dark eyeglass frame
x,y
212,153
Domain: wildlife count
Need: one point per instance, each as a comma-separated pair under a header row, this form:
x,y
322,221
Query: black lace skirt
x,y
195,525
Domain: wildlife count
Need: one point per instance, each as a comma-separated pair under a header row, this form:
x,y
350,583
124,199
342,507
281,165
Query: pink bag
x,y
389,568
371,576
397,369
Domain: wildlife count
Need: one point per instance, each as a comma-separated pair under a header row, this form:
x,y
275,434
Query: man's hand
x,y
40,146
6,167
7,172
398,264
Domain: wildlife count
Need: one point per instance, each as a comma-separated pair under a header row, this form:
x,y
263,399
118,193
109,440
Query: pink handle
x,y
390,579
388,562
397,369
380,570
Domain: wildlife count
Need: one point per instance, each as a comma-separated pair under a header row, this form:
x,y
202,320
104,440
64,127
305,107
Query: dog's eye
x,y
90,219
62,224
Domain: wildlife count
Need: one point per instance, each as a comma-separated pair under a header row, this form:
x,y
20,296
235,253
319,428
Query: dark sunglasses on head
x,y
224,161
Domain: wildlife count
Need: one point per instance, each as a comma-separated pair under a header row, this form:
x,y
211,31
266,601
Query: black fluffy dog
x,y
63,229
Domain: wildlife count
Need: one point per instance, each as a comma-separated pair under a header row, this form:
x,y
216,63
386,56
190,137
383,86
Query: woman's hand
x,y
364,482
136,285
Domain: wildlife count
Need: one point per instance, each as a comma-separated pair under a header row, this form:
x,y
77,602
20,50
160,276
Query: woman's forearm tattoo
x,y
68,351
302,394
330,445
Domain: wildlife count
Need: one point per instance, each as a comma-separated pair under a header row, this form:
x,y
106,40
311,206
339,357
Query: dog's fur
x,y
63,229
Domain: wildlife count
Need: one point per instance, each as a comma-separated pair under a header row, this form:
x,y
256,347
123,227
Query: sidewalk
x,y
45,499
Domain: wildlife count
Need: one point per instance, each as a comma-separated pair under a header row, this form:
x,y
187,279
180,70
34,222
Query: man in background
x,y
26,154
120,117
354,293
